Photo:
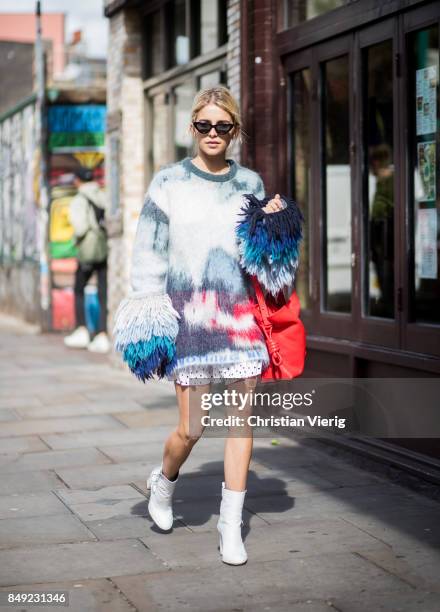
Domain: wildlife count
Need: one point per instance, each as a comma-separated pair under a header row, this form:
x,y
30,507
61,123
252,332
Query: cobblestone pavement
x,y
77,439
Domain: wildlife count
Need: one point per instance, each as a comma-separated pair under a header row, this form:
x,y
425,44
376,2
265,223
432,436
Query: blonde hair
x,y
221,97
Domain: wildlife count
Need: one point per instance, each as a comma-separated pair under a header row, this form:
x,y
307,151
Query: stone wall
x,y
19,215
125,104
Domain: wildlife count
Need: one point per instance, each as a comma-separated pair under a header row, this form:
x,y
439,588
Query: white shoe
x,y
161,496
229,525
80,338
99,344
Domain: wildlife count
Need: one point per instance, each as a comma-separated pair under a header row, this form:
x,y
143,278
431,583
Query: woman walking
x,y
189,315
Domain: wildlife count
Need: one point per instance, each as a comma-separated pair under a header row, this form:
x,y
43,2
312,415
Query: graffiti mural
x,y
19,213
18,193
76,138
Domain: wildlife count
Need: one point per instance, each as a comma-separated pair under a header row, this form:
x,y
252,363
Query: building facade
x,y
160,55
353,90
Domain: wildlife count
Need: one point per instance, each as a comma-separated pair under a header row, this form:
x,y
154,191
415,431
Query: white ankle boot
x,y
229,525
161,496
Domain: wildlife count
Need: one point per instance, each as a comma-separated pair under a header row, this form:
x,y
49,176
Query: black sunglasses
x,y
204,127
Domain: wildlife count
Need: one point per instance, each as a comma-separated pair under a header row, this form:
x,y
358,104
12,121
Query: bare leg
x,y
238,450
180,442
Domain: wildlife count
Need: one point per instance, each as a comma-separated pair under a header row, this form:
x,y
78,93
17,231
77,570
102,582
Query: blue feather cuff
x,y
269,242
145,329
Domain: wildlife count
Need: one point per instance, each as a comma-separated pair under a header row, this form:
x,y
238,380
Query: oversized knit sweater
x,y
199,237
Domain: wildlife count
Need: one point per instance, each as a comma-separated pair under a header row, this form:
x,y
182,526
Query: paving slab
x,y
404,567
7,414
14,401
102,495
153,450
130,527
28,482
78,561
85,596
99,511
105,436
264,543
21,505
93,477
80,408
25,532
148,418
47,460
22,444
405,527
46,426
324,577
379,601
339,501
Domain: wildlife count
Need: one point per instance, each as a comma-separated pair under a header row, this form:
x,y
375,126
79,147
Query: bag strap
x,y
99,212
272,346
261,302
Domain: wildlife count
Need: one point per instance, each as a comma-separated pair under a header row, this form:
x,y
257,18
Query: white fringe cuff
x,y
139,317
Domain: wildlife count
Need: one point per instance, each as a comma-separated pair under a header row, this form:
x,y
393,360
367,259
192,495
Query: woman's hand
x,y
274,205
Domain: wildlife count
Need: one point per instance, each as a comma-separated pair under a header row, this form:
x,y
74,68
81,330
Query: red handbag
x,y
284,333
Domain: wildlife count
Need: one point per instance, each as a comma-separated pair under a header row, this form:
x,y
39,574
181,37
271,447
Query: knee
x,y
189,438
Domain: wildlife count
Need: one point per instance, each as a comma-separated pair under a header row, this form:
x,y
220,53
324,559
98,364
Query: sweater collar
x,y
209,176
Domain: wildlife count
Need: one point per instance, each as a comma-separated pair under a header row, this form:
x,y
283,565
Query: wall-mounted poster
x,y
426,100
426,243
427,169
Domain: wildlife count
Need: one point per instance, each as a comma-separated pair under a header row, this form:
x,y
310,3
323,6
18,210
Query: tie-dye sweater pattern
x,y
199,237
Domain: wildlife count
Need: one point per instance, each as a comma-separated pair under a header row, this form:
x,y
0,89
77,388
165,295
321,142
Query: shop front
x,y
358,148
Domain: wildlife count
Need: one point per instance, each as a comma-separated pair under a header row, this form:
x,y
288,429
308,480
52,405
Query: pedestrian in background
x,y
87,212
189,316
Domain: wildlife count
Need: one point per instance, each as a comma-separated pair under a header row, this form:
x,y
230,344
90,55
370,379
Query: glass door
x,y
320,152
364,150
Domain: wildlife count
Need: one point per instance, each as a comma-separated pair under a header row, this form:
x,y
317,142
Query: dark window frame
x,y
399,333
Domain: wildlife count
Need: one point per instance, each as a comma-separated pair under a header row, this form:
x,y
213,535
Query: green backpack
x,y
92,247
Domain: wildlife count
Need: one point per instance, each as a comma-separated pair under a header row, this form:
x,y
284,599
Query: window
x,y
211,79
378,179
294,12
180,38
182,30
423,152
336,179
301,85
183,99
212,25
159,131
153,54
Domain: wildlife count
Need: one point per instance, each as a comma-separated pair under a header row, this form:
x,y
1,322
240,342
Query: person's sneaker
x,y
80,338
99,344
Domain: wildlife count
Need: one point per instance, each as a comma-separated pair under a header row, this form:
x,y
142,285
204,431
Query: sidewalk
x,y
78,438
